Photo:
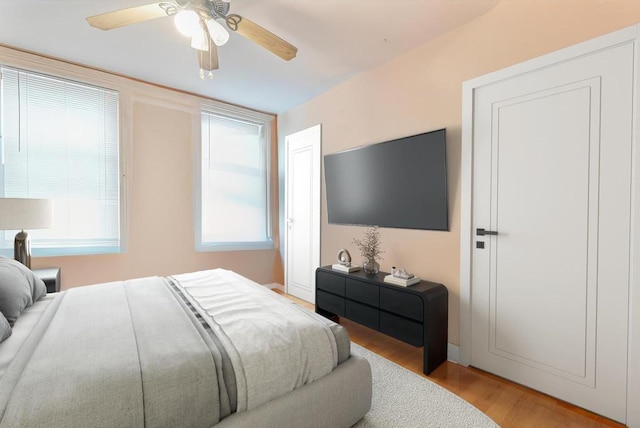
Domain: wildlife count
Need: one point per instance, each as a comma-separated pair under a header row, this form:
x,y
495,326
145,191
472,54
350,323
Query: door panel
x,y
552,176
303,212
555,207
300,271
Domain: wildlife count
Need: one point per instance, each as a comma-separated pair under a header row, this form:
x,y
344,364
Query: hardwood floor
x,y
507,403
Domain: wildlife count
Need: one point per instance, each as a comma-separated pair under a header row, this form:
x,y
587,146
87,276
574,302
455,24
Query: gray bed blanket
x,y
116,354
134,353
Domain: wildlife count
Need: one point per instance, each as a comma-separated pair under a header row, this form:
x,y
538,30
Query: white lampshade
x,y
187,22
21,213
199,41
218,33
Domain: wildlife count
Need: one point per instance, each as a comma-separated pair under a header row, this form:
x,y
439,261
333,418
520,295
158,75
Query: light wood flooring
x,y
507,403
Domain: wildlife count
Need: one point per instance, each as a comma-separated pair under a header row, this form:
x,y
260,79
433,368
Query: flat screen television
x,y
400,183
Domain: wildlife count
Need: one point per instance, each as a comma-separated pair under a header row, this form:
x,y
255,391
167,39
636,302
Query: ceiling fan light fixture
x,y
199,41
200,21
187,22
218,33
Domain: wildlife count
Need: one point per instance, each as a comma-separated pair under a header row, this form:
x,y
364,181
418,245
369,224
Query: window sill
x,y
56,252
233,246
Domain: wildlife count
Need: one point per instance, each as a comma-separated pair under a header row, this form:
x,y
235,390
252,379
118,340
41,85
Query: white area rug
x,y
403,399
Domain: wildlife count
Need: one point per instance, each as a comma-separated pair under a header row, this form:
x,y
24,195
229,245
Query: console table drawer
x,y
331,303
363,292
363,314
400,302
331,283
401,328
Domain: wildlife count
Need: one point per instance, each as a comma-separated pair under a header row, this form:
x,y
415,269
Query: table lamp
x,y
22,213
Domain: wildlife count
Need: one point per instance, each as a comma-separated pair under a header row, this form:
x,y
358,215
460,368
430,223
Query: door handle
x,y
482,232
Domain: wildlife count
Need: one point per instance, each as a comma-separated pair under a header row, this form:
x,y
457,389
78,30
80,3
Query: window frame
x,y
234,113
75,74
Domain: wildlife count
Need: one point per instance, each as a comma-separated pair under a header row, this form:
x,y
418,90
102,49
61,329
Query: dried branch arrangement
x,y
369,245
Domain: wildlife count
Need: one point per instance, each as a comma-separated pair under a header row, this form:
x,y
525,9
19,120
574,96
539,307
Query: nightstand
x,y
50,277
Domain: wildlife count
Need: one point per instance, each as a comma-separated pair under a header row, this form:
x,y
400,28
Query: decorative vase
x,y
371,266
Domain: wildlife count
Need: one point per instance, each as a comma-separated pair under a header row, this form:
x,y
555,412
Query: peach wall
x,y
422,91
159,128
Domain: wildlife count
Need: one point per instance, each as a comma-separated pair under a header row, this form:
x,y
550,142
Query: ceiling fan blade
x,y
259,35
208,59
122,17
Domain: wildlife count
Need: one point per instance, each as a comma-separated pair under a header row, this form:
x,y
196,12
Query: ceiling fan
x,y
198,19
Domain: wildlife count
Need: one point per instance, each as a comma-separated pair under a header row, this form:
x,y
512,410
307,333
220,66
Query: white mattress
x,y
21,330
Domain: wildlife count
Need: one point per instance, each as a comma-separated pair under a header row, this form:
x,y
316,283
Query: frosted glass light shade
x,y
218,33
199,41
187,22
22,213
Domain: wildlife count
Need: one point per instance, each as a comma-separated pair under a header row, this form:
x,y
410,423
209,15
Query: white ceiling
x,y
336,40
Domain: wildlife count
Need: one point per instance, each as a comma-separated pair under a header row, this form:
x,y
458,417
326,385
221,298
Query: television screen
x,y
400,183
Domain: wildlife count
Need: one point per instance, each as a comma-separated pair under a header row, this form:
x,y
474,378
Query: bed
x,y
192,350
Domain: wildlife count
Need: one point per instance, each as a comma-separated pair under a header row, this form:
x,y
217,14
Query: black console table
x,y
417,314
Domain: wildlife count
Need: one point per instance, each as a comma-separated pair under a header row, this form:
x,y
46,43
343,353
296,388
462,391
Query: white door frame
x,y
316,190
626,35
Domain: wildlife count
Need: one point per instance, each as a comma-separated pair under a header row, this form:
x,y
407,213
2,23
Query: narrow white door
x,y
552,177
303,212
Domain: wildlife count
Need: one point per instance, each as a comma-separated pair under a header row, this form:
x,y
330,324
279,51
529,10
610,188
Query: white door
x,y
552,176
303,212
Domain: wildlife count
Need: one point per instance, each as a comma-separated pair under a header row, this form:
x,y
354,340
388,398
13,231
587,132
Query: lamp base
x,y
22,248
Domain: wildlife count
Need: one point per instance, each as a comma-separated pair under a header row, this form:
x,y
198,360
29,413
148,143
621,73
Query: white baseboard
x,y
274,285
453,353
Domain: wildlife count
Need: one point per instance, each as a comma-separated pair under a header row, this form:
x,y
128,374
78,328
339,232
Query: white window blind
x,y
234,183
60,142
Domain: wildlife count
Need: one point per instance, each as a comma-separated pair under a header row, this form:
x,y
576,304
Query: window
x,y
60,141
233,203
